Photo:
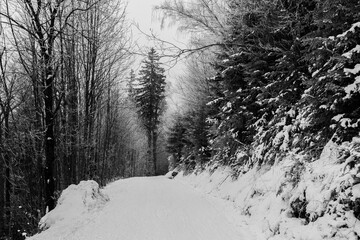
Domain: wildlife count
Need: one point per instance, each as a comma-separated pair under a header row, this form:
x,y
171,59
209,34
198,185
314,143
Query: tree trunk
x,y
133,162
149,162
72,108
49,141
5,156
45,37
2,190
62,126
154,148
36,88
7,172
73,122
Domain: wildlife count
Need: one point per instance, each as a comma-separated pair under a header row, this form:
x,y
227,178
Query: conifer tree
x,y
176,140
149,94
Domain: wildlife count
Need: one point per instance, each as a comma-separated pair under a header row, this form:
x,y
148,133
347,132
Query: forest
x,y
263,79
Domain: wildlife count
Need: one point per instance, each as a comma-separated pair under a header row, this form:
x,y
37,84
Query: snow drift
x,y
75,201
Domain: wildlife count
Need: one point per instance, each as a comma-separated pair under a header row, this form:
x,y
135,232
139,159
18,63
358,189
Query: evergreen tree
x,y
188,138
176,140
287,79
149,94
198,133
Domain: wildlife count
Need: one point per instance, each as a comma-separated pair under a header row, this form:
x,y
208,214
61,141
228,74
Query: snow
x,y
352,87
356,191
282,138
355,70
350,53
154,208
75,201
292,113
338,117
255,203
315,73
215,101
355,85
346,123
352,29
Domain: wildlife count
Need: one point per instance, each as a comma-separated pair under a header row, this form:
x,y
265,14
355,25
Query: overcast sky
x,y
141,12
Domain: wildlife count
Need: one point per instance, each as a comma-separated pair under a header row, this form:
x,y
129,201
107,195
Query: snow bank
x,y
75,201
294,199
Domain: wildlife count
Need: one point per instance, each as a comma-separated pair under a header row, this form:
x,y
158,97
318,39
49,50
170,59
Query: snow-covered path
x,y
149,209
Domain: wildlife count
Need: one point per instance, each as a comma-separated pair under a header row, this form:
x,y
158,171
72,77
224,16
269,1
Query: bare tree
x,y
2,167
3,179
204,19
9,101
55,38
44,28
104,55
194,86
69,57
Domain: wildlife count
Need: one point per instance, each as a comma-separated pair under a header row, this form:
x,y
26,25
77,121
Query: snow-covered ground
x,y
154,208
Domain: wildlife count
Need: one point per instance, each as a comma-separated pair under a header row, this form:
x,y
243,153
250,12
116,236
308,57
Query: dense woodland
x,y
263,78
285,80
286,84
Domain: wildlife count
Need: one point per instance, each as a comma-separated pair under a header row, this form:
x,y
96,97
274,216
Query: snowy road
x,y
149,209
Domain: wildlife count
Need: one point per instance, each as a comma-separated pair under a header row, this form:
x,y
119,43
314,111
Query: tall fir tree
x,y
149,95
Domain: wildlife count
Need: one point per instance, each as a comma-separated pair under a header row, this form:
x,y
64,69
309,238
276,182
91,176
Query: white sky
x,y
141,12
